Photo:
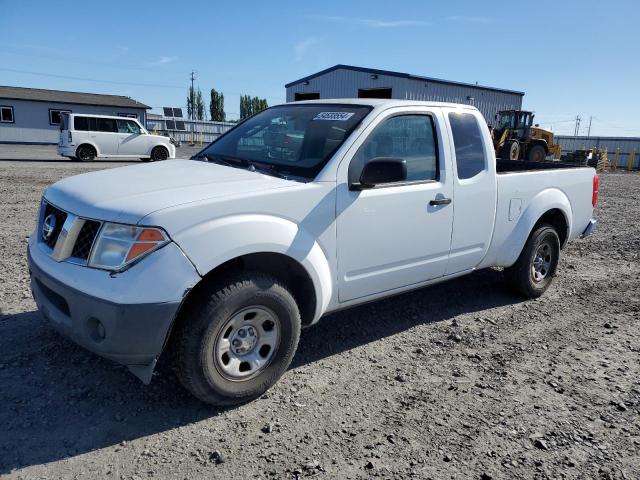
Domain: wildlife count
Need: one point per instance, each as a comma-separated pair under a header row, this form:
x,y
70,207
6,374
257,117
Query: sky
x,y
569,57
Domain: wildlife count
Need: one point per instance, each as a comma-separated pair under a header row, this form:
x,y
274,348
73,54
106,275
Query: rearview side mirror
x,y
381,170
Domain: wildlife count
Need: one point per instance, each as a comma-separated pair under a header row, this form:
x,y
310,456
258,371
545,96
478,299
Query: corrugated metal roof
x,y
59,96
374,71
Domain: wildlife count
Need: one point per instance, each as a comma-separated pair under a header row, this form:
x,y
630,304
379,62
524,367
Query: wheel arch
x,y
156,145
90,144
264,243
283,267
549,206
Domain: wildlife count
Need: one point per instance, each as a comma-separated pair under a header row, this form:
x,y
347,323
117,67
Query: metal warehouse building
x,y
32,115
345,81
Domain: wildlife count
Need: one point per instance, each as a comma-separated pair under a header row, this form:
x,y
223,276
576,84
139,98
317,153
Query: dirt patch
x,y
460,380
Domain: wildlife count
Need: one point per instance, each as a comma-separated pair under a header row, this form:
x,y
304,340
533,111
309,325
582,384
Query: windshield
x,y
295,140
505,120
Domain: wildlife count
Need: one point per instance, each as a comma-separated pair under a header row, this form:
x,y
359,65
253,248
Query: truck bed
x,y
509,166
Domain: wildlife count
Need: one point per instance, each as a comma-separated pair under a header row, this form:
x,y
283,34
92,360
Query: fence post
x,y
632,157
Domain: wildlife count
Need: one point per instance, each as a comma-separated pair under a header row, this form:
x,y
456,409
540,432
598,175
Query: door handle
x,y
440,201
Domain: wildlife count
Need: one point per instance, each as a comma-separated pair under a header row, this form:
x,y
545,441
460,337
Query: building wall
x,y
31,119
624,144
345,83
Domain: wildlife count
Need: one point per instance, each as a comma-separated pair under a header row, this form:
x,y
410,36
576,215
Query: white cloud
x,y
467,19
374,23
300,48
163,60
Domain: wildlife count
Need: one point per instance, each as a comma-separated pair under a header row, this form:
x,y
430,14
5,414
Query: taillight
x,y
594,194
70,137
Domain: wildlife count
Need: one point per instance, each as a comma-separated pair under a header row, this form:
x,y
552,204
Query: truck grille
x,y
78,239
60,218
84,242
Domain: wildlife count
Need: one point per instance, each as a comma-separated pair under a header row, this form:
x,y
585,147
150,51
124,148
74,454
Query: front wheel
x,y
235,341
537,153
158,154
536,266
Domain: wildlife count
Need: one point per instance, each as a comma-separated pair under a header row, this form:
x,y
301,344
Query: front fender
x,y
210,244
549,199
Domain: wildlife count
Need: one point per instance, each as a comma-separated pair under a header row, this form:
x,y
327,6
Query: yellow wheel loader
x,y
515,138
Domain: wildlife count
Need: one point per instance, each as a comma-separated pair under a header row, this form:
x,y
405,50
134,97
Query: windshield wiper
x,y
227,160
237,162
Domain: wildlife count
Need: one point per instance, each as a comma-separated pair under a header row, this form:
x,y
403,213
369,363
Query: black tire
x,y
205,320
537,153
523,276
510,150
86,153
159,153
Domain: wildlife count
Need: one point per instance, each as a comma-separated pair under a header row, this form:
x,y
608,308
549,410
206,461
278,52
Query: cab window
x,y
408,137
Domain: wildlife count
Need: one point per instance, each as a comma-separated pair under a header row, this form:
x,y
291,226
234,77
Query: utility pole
x,y
192,96
577,129
589,130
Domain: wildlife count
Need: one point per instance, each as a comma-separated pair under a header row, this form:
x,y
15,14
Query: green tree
x,y
216,106
191,102
251,105
199,106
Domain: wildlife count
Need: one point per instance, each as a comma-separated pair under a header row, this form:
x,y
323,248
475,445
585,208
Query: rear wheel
x,y
159,153
510,150
86,153
536,266
537,153
235,341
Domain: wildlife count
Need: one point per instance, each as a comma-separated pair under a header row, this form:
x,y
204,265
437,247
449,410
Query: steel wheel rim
x,y
247,343
541,264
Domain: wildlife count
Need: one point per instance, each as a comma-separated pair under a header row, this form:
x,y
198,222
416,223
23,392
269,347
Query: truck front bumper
x,y
105,321
590,228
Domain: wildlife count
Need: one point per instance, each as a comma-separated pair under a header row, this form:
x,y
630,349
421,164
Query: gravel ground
x,y
460,380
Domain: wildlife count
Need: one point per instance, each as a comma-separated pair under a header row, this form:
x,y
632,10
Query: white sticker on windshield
x,y
334,116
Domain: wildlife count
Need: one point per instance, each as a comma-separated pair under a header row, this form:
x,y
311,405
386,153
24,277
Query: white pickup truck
x,y
301,210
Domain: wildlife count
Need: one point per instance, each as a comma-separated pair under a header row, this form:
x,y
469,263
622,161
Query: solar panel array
x,y
172,112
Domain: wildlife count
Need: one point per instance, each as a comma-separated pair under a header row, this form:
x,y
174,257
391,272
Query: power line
x,y
84,79
134,84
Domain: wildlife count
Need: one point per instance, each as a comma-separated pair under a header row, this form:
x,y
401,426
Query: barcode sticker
x,y
334,116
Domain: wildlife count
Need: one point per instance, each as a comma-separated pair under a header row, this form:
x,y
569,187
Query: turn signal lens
x,y
117,245
594,195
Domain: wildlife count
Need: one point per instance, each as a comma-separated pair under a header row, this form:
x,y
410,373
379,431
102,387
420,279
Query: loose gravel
x,y
460,380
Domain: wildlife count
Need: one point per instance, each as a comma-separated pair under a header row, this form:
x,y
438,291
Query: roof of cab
x,y
383,102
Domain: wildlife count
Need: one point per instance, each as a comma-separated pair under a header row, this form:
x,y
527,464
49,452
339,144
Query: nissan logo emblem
x,y
48,226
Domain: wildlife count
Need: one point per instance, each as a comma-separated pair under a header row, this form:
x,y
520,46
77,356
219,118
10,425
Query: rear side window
x,y
81,123
107,125
467,140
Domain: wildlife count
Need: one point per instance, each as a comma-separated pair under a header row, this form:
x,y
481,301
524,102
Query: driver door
x,y
398,234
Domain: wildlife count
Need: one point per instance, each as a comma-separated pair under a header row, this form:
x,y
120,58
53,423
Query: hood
x,y
127,194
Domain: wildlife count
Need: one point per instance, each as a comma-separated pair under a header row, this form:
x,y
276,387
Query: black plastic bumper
x,y
132,334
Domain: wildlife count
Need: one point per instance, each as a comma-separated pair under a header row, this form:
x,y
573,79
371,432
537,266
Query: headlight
x,y
120,245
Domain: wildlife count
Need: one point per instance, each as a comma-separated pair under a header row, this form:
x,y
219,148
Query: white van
x,y
87,137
